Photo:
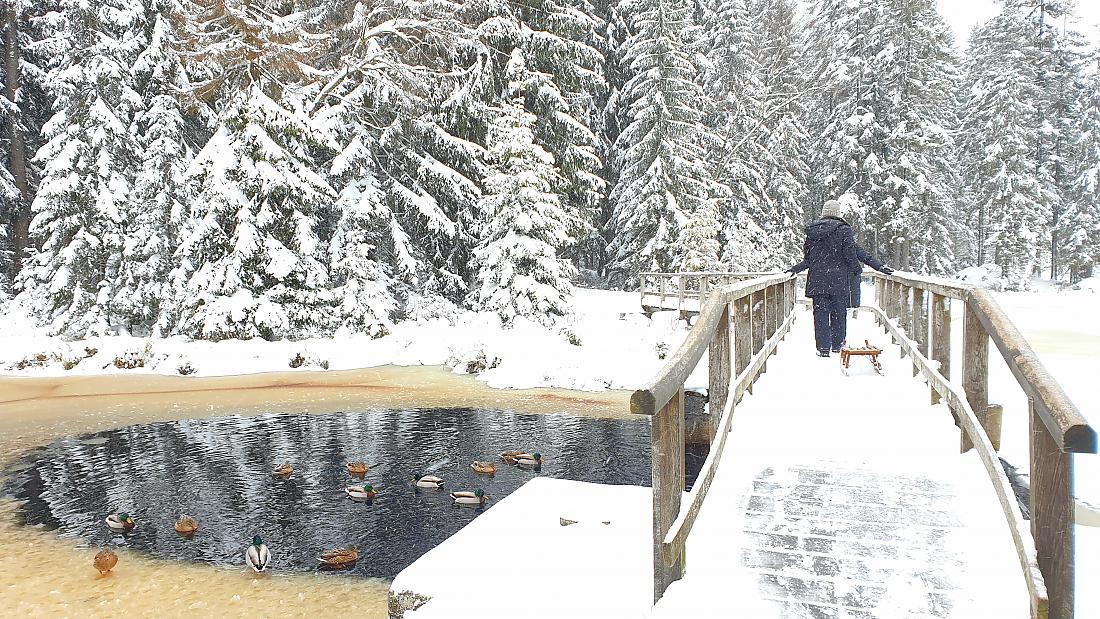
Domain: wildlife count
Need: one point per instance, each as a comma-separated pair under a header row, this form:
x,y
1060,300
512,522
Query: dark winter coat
x,y
866,258
830,255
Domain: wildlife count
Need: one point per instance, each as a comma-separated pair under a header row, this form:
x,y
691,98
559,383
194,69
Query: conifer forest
x,y
290,168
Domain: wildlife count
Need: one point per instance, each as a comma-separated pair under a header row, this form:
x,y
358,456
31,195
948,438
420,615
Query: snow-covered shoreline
x,y
606,344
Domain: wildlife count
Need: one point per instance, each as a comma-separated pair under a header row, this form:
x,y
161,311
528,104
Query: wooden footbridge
x,y
834,534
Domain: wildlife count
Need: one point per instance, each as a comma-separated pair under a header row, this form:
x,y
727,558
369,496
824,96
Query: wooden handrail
x,y
750,312
1057,428
649,400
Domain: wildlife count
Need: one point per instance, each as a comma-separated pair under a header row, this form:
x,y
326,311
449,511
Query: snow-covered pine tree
x,y
143,294
87,168
784,94
1081,243
563,81
1004,196
663,180
250,250
734,109
912,200
520,271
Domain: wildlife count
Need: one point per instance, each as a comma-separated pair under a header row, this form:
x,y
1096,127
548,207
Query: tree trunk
x,y
21,218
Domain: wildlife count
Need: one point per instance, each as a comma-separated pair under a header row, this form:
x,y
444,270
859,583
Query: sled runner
x,y
847,352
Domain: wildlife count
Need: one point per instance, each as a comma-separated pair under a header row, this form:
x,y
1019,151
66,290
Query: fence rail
x,y
756,311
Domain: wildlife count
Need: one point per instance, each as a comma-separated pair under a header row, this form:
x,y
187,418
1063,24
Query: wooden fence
x,y
917,313
757,314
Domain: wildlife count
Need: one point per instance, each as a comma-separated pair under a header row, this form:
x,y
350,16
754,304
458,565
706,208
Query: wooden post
x,y
704,289
920,325
992,423
771,321
681,281
904,312
759,311
880,284
975,371
742,335
718,377
667,440
1052,515
641,289
941,338
663,286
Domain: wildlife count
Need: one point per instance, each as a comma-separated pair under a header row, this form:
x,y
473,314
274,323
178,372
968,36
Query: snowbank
x,y
606,344
985,276
518,559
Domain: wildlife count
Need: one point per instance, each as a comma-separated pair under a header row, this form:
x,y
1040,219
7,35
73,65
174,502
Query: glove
x,y
887,270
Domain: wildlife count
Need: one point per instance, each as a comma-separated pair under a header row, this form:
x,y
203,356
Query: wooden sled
x,y
847,352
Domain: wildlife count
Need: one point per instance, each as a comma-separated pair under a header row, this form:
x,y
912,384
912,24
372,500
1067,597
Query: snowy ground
x,y
607,344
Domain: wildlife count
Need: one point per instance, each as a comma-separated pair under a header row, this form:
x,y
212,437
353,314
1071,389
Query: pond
x,y
218,470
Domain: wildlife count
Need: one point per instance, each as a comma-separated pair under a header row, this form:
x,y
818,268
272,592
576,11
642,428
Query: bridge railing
x,y
757,313
684,291
917,312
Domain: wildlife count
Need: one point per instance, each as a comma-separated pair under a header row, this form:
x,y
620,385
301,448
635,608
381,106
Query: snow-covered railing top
x,y
684,291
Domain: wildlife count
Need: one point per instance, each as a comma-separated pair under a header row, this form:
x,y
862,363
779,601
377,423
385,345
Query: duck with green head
x,y
529,460
427,481
366,492
120,522
257,556
477,498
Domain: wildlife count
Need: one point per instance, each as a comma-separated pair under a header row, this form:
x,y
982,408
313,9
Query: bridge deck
x,y
856,504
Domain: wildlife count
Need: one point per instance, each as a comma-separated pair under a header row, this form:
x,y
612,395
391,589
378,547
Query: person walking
x,y
831,255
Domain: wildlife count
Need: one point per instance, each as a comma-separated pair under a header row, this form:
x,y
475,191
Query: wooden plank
x,y
641,289
718,374
742,335
704,288
663,282
1052,515
667,469
969,424
920,324
941,338
681,280
758,316
975,371
1064,422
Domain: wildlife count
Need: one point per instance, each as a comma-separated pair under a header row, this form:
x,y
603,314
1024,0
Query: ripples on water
x,y
219,471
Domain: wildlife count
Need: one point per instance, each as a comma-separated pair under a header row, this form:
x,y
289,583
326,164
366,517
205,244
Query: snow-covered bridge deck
x,y
846,496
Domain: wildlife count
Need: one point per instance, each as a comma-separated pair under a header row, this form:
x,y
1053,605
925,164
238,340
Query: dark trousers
x,y
830,322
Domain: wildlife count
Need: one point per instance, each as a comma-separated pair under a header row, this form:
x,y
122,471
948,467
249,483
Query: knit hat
x,y
831,209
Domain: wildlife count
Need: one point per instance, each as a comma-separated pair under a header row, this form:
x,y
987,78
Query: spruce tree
x,y
87,167
520,271
1081,241
663,181
1006,200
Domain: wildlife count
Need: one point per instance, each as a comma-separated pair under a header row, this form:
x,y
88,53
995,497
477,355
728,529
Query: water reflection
x,y
219,471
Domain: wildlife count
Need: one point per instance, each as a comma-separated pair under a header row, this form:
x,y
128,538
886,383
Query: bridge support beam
x,y
1052,515
667,472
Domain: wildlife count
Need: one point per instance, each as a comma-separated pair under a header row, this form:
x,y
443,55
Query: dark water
x,y
218,471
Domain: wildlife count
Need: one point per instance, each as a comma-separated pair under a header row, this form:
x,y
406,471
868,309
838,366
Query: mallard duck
x,y
340,557
477,498
358,469
484,468
186,525
120,522
366,492
510,456
257,556
529,460
105,560
427,481
283,470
